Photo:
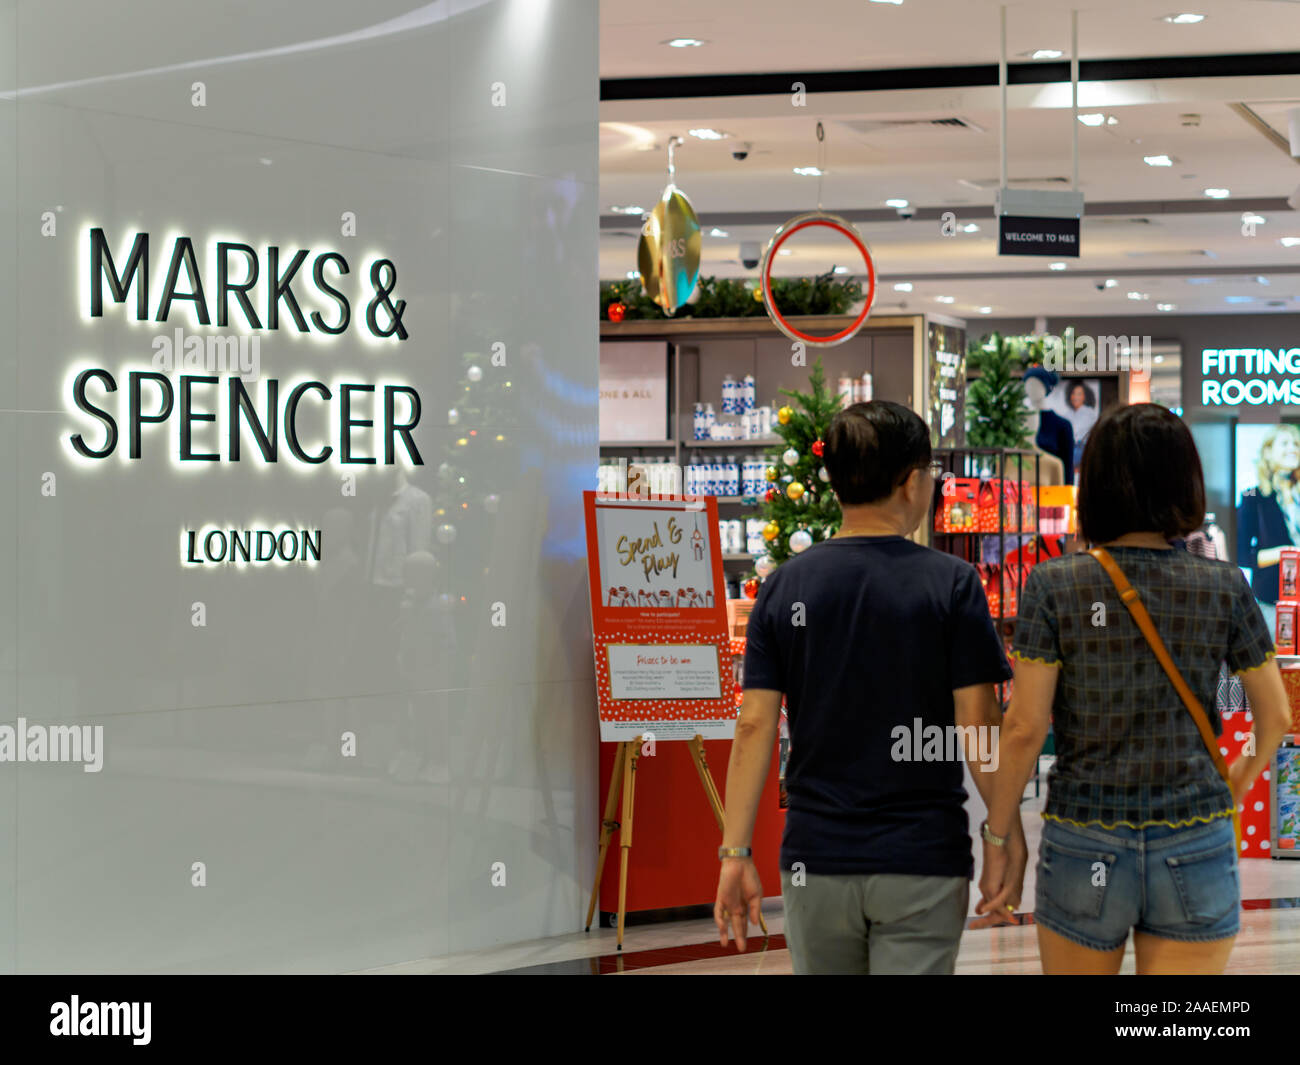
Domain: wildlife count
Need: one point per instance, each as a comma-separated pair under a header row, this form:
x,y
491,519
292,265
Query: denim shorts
x,y
1095,884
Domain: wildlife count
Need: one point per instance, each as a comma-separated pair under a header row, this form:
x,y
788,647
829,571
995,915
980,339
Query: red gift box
x,y
956,512
1284,634
1255,806
1288,574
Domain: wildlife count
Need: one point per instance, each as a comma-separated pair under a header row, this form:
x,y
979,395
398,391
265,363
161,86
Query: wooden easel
x,y
624,775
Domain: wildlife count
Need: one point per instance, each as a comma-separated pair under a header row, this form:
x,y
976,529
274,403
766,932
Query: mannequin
x,y
1052,433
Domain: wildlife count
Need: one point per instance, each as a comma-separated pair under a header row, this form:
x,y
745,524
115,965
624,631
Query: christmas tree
x,y
800,508
995,400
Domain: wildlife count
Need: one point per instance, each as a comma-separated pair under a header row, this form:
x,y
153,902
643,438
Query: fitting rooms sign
x,y
197,391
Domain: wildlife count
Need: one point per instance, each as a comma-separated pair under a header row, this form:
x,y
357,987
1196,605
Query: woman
x,y
1138,831
1081,413
1268,518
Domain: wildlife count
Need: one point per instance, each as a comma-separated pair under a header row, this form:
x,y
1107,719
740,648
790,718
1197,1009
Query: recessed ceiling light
x,y
809,171
1261,281
1095,118
986,310
627,209
945,299
895,2
716,232
1250,218
1056,266
1158,160
1182,20
897,203
1238,299
684,42
1218,194
1043,53
1160,358
841,269
1163,307
1111,282
785,251
970,227
1289,242
709,134
632,275
1138,296
903,286
1200,281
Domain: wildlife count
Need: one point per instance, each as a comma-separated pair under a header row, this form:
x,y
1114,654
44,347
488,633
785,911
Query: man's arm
x,y
977,707
751,758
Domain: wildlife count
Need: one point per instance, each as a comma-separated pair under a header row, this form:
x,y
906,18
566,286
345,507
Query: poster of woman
x,y
1268,508
1078,402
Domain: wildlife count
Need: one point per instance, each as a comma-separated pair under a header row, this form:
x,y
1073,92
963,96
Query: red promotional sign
x,y
659,618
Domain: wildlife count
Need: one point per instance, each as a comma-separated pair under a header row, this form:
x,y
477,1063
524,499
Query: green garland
x,y
734,298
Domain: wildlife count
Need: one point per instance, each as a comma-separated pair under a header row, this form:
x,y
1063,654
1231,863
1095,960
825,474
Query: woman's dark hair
x,y
1140,473
871,448
1088,399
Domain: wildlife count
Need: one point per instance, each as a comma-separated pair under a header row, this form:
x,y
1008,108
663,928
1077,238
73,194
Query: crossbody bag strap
x,y
1128,594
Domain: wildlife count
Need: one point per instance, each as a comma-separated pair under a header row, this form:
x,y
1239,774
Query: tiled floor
x,y
1269,941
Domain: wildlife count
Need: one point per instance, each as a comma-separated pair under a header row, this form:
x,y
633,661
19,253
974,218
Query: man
x,y
873,640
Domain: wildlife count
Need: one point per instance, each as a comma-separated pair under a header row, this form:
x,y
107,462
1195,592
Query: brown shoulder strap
x,y
1133,601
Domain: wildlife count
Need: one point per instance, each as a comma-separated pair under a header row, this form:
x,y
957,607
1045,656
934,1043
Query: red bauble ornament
x,y
818,447
772,494
751,588
616,310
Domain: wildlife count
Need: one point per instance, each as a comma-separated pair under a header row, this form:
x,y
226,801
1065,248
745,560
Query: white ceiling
x,y
932,166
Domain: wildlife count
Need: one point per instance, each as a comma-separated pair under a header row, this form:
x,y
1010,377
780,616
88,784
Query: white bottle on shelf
x,y
710,419
748,392
729,404
698,428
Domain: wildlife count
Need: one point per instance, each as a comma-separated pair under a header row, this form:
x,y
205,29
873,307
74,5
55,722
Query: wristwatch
x,y
734,852
989,837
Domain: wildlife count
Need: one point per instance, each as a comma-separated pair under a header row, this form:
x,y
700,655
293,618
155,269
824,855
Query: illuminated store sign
x,y
212,384
149,397
1255,376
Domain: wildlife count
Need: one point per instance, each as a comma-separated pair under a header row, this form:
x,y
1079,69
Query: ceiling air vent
x,y
991,184
866,127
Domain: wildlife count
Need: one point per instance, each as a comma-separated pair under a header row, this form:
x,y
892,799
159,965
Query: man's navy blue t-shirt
x,y
889,630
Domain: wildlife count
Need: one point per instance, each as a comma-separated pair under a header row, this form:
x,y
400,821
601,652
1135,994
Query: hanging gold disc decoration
x,y
668,255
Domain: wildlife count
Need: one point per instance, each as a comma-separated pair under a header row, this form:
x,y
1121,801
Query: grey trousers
x,y
880,923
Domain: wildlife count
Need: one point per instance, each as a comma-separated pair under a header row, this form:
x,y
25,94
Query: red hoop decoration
x,y
789,229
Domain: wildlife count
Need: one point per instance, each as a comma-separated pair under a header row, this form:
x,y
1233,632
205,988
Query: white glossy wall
x,y
475,741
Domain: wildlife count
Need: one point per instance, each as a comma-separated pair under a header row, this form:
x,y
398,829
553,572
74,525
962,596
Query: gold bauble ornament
x,y
771,530
794,490
758,294
772,473
784,415
668,255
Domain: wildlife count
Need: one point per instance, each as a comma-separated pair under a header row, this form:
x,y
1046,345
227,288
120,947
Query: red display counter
x,y
675,840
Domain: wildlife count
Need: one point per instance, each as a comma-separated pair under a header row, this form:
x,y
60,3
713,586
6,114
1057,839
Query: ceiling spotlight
x,y
1163,307
896,203
1095,118
1289,242
895,2
903,286
1138,296
716,232
1250,218
1158,160
1182,20
809,171
1238,299
1056,266
627,209
970,227
632,275
709,134
841,269
1111,282
684,42
1043,53
945,299
1218,194
784,251
986,310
